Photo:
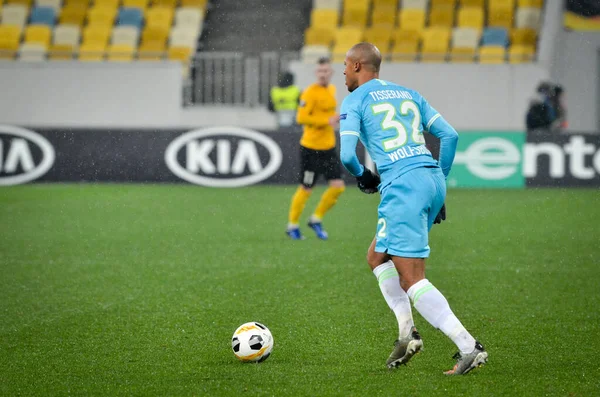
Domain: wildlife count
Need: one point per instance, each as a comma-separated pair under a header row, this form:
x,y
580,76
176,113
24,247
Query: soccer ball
x,y
252,342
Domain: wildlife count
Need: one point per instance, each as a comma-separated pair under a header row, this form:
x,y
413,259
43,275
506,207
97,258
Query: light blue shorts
x,y
407,210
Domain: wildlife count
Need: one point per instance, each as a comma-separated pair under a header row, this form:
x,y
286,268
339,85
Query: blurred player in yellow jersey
x,y
318,156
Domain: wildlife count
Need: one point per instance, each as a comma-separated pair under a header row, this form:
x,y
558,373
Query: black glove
x,y
368,181
441,216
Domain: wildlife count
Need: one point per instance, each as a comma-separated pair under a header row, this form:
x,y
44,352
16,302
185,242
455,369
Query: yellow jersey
x,y
317,105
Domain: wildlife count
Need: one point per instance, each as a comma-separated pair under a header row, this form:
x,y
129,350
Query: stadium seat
x,y
492,4
39,34
130,17
528,18
495,37
472,3
125,35
443,3
405,51
435,44
355,17
318,36
521,54
312,53
406,45
151,51
161,17
381,36
491,54
154,34
32,52
96,34
76,3
101,16
165,3
43,16
465,38
364,4
120,53
92,51
523,36
181,54
54,4
327,4
26,3
385,3
67,34
462,55
114,4
500,17
324,18
441,17
14,14
383,15
348,36
140,4
61,52
414,4
186,16
181,36
400,36
10,36
194,3
530,3
412,19
471,17
74,15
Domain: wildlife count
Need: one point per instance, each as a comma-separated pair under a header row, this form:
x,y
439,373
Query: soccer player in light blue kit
x,y
389,120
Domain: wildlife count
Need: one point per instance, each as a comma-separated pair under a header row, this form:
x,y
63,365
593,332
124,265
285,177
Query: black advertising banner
x,y
562,160
217,157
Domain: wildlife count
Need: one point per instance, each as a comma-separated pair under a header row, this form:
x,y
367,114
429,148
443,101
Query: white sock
x,y
396,298
435,309
292,226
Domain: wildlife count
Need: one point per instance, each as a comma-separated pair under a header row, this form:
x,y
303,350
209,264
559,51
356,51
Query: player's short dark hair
x,y
323,61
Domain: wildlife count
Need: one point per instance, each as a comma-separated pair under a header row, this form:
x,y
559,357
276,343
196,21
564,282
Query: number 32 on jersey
x,y
391,123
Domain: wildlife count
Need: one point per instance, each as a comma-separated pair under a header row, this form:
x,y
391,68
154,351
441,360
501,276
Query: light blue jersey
x,y
389,120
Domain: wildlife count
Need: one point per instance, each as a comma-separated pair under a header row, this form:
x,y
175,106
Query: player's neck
x,y
365,78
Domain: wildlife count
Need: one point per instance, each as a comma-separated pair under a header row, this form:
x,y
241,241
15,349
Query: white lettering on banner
x,y
246,155
490,158
200,144
577,150
407,151
223,156
197,156
553,151
19,156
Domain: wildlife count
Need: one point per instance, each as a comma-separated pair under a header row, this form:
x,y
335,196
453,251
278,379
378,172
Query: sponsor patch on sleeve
x,y
302,104
343,116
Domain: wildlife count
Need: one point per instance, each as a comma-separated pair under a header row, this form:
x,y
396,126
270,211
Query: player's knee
x,y
374,259
306,188
338,184
407,281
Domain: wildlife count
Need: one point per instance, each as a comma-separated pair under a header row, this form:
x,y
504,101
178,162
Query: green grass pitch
x,y
136,290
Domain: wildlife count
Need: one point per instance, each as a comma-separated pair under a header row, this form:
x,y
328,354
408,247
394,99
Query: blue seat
x,y
495,36
43,16
130,17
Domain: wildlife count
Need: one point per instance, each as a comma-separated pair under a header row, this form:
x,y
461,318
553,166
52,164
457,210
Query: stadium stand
x,y
100,30
491,31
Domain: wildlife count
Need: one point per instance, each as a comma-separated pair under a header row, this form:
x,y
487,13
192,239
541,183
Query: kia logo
x,y
223,157
24,155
